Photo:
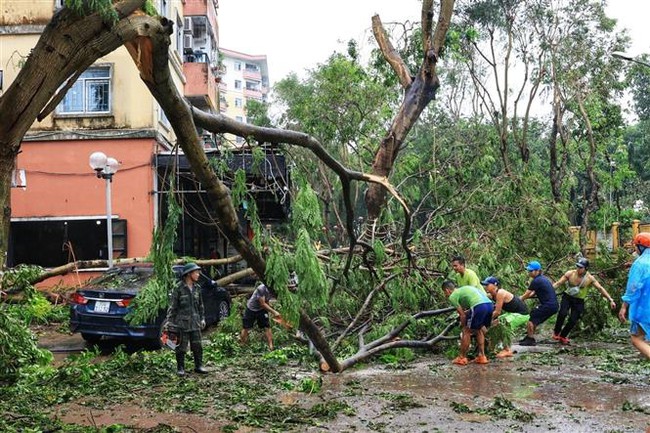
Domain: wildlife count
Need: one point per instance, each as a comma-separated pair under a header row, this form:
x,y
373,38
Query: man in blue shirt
x,y
541,287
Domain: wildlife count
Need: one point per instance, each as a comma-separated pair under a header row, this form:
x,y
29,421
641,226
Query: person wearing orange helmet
x,y
636,300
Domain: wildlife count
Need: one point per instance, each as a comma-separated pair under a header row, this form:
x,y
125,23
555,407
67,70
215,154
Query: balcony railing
x,y
253,93
252,75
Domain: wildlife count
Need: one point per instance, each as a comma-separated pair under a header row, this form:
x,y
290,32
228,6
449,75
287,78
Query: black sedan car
x,y
98,309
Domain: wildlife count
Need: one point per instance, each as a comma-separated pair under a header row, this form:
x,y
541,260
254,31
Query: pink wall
x,y
201,7
61,183
200,81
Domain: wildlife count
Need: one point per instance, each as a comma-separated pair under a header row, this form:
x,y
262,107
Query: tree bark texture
x,y
419,91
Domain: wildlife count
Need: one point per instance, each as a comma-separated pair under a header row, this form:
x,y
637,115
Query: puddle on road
x,y
583,388
562,398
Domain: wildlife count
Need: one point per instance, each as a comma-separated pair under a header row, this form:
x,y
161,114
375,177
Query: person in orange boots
x,y
513,308
475,312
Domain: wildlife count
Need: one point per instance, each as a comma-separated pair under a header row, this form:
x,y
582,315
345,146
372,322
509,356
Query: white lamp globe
x,y
97,161
111,166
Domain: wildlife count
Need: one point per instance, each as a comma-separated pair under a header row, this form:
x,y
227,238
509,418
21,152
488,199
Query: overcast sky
x,y
297,34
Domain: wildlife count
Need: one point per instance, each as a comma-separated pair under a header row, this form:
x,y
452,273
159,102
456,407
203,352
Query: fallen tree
x,y
71,43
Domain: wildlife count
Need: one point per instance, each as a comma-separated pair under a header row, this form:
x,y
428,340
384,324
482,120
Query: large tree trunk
x,y
419,91
7,163
151,57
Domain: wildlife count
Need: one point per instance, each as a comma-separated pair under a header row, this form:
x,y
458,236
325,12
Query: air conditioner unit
x,y
187,25
188,41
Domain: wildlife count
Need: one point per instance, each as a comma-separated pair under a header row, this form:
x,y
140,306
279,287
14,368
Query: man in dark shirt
x,y
257,311
542,288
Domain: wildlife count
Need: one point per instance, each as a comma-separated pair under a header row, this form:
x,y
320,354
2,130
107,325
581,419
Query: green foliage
x,y
400,402
261,236
629,406
312,281
500,334
259,158
154,296
311,385
239,189
346,108
306,212
397,357
149,8
102,7
18,346
276,358
36,309
501,408
257,113
277,275
19,278
105,8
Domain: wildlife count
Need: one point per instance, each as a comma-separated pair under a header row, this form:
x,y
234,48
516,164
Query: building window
x,y
238,103
90,94
164,8
237,84
237,66
252,85
179,34
39,242
162,118
239,119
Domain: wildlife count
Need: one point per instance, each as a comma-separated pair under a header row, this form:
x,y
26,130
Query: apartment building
x,y
60,206
59,209
245,77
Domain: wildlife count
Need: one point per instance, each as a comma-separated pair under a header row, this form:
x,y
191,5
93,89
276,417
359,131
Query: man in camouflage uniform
x,y
187,316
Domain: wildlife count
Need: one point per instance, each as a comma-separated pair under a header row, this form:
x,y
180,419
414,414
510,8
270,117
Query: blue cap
x,y
490,280
533,266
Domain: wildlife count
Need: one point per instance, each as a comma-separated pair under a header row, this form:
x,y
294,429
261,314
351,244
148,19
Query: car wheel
x,y
91,338
223,311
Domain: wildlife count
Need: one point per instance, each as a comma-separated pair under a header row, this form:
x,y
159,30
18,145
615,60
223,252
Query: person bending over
x,y
475,312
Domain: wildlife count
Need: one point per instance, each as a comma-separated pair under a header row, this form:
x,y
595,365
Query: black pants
x,y
577,307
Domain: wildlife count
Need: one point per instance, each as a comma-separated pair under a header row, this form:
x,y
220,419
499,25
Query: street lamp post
x,y
105,167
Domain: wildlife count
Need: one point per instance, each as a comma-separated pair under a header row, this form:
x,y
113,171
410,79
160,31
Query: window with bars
x,y
90,94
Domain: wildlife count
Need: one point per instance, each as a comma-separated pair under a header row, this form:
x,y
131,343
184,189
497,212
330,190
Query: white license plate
x,y
102,306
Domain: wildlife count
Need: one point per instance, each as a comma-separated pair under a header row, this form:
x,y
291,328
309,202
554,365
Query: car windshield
x,y
121,278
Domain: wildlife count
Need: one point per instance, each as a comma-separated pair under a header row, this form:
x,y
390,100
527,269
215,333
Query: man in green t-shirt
x,y
475,312
465,276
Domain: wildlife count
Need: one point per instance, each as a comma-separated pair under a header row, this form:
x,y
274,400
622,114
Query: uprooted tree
x,y
72,42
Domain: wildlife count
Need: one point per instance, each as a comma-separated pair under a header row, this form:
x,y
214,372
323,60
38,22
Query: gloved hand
x,y
202,324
